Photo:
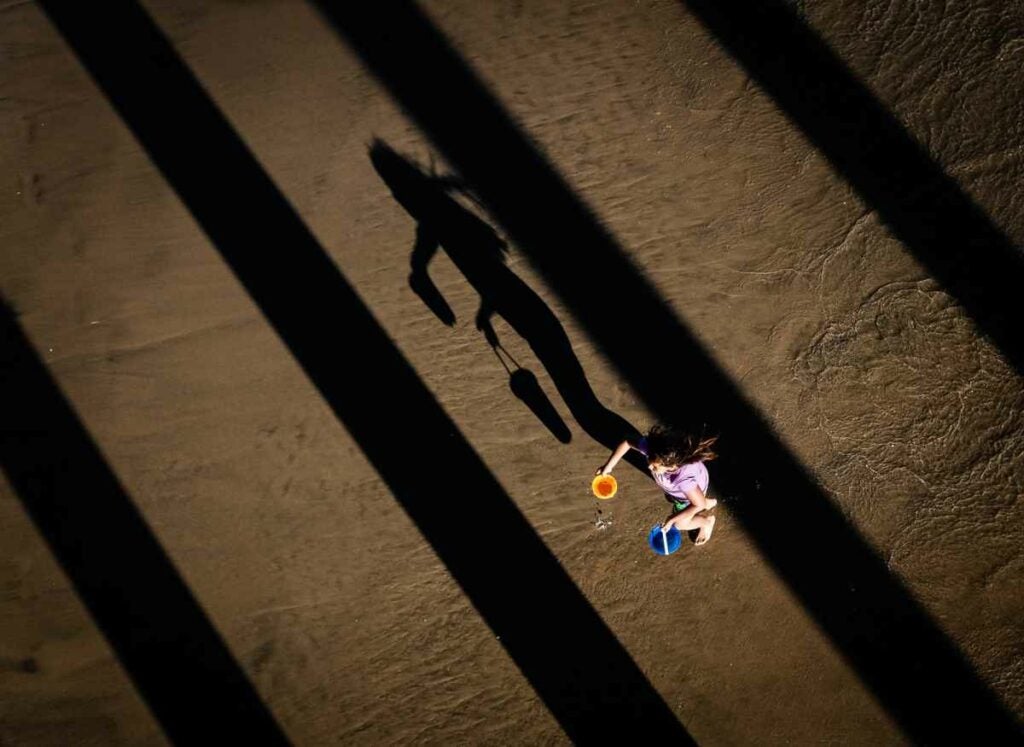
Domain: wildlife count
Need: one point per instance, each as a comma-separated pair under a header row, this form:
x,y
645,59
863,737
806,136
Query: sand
x,y
344,616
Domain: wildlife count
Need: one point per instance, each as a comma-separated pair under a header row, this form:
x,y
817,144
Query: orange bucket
x,y
604,486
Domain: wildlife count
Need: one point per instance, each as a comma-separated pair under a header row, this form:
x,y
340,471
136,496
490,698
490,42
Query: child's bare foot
x,y
705,531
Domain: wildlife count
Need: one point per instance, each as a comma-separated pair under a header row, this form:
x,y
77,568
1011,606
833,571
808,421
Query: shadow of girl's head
x,y
409,185
426,197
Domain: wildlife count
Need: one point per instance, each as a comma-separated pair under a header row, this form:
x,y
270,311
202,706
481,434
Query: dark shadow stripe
x,y
574,662
168,646
925,209
898,651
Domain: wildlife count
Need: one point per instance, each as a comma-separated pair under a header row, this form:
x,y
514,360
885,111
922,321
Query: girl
x,y
676,461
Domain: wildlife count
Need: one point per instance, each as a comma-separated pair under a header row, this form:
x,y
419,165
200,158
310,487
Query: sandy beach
x,y
350,342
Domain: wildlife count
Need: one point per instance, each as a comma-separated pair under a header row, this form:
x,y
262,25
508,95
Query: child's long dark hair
x,y
674,448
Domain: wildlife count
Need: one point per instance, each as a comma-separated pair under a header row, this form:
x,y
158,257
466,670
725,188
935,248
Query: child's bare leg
x,y
683,518
688,519
705,531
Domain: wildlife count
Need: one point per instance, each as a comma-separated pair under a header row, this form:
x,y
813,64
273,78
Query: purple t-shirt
x,y
677,483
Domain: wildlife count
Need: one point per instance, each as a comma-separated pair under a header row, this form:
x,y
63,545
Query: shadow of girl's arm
x,y
422,252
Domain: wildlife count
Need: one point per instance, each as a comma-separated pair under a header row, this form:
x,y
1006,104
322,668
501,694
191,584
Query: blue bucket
x,y
673,537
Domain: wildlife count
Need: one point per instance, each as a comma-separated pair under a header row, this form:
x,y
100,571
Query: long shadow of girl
x,y
479,254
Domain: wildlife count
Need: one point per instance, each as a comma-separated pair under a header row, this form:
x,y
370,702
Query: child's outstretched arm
x,y
620,451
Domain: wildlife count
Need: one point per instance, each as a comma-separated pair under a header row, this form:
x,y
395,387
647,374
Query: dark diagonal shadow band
x,y
170,649
897,649
948,233
574,662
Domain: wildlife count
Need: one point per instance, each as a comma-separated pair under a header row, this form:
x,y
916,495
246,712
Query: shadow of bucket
x,y
667,543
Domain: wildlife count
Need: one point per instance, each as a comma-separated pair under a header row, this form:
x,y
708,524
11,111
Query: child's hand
x,y
603,470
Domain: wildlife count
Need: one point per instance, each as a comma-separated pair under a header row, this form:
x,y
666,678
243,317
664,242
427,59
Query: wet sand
x,y
340,612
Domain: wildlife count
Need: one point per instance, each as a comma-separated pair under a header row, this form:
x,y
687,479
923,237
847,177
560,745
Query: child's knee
x,y
684,523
